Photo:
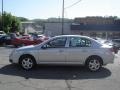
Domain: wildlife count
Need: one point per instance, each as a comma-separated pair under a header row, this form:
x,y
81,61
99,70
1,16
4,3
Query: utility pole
x,y
62,18
2,17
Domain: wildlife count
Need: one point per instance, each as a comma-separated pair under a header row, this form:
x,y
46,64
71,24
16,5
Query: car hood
x,y
26,48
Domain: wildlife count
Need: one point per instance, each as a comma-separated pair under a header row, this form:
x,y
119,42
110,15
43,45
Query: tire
x,y
27,62
4,44
94,63
15,46
22,45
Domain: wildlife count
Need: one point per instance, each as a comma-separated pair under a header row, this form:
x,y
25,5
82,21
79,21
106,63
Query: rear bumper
x,y
109,59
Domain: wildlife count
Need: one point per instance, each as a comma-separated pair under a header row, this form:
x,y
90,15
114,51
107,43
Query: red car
x,y
26,40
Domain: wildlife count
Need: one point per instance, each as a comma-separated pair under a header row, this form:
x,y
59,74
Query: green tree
x,y
15,24
10,23
0,22
22,19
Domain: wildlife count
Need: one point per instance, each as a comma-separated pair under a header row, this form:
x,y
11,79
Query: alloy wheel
x,y
94,64
27,63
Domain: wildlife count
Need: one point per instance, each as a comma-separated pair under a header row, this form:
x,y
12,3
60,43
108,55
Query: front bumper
x,y
14,58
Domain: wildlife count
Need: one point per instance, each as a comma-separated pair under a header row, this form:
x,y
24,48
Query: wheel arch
x,y
92,56
23,55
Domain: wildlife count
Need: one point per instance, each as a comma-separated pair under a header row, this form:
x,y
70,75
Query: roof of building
x,y
27,22
93,27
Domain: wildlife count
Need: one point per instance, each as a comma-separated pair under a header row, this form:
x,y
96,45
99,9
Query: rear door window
x,y
79,42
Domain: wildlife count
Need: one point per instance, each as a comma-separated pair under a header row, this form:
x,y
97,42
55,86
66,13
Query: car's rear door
x,y
79,49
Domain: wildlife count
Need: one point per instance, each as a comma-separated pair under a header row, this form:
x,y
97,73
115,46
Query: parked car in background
x,y
65,50
5,40
111,43
116,42
108,42
99,39
40,36
27,40
43,37
2,33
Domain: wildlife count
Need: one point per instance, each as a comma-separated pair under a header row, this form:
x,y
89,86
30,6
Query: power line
x,y
73,4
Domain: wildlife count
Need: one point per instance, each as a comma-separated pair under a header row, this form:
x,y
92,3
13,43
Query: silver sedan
x,y
65,50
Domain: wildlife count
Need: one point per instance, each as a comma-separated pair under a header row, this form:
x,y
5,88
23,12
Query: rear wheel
x,y
27,62
94,64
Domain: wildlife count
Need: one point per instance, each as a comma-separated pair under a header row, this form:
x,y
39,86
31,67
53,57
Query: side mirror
x,y
44,46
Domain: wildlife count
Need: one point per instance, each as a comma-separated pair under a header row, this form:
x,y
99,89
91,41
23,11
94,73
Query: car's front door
x,y
53,51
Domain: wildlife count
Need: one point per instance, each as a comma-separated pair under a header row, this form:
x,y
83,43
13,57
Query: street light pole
x,y
2,17
62,18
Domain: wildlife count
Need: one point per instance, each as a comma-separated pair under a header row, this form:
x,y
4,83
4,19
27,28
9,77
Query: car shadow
x,y
55,72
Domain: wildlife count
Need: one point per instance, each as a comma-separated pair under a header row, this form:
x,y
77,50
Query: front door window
x,y
57,43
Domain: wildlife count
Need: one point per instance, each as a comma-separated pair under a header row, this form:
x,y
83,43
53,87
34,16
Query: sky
x,y
43,9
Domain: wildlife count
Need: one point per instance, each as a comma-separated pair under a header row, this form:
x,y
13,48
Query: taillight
x,y
114,49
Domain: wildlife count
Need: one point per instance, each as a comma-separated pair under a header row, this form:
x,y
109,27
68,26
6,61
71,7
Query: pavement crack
x,y
68,83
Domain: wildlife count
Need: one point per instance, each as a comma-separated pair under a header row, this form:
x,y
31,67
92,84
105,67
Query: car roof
x,y
3,36
72,36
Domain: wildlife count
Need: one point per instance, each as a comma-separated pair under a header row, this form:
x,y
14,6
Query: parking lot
x,y
13,77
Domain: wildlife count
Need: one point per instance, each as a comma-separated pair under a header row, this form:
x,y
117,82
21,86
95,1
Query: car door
x,y
2,40
53,51
8,40
79,49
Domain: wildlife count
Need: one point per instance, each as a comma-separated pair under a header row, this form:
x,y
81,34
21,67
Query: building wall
x,y
101,34
31,27
53,29
94,20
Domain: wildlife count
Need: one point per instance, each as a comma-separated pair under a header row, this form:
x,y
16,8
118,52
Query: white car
x,y
116,42
65,50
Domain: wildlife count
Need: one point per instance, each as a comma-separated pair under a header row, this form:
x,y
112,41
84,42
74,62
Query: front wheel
x,y
27,62
94,64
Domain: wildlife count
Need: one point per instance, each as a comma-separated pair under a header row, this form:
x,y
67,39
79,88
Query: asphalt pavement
x,y
12,77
